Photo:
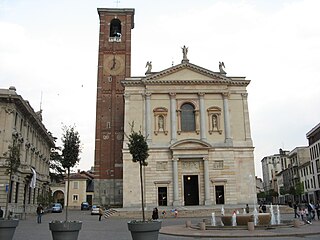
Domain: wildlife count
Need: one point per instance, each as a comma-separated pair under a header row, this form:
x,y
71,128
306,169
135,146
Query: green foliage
x,y
71,148
56,170
138,147
45,200
13,160
299,189
261,195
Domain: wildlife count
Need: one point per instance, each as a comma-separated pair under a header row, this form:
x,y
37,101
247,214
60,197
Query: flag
x,y
109,212
33,179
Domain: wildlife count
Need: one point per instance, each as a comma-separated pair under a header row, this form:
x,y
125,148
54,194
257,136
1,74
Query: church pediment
x,y
190,144
186,73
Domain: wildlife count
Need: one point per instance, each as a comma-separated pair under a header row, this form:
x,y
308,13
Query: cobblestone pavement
x,y
116,228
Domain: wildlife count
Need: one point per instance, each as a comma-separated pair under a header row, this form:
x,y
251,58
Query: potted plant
x,y
141,229
69,158
8,225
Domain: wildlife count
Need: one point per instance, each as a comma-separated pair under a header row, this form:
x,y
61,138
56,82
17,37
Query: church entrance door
x,y
191,190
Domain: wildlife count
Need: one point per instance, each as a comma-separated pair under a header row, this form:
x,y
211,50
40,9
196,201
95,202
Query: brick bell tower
x,y
114,64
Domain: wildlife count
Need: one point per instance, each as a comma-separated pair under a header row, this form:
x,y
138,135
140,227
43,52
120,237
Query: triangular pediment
x,y
190,144
186,72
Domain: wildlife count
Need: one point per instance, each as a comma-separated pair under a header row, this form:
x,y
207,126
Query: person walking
x,y
1,213
39,213
318,210
100,213
155,214
247,208
295,207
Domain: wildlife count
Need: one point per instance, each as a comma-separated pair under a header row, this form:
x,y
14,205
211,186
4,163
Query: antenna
x,y
41,101
117,2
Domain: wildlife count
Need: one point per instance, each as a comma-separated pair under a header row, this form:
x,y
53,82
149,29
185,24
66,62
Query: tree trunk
x,y
142,198
6,216
68,187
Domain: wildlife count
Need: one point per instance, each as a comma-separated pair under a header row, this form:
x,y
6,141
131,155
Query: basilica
x,y
196,122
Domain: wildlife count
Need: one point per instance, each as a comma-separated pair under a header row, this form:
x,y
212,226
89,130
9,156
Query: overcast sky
x,y
50,49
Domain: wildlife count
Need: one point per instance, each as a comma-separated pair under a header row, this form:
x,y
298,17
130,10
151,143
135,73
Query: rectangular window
x,y
162,196
17,192
75,197
75,185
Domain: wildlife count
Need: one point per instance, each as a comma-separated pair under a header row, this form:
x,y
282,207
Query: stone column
x,y
207,199
126,107
176,201
202,117
173,117
246,116
148,117
227,127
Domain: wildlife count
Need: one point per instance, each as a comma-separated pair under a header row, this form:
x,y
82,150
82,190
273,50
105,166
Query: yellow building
x,y
197,126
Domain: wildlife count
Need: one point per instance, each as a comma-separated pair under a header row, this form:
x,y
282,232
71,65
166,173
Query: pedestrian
x,y
318,210
164,213
247,208
100,213
176,213
1,213
295,207
264,208
302,213
39,213
155,214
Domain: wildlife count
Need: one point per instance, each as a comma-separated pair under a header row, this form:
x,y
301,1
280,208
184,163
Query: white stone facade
x,y
19,122
202,156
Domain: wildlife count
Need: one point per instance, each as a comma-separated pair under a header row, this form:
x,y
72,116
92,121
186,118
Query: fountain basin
x,y
242,220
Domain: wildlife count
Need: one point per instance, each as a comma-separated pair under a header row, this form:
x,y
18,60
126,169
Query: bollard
x,y
296,223
188,223
202,226
250,226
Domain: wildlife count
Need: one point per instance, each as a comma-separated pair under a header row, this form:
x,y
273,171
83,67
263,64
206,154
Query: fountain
x,y
255,217
273,220
244,211
234,219
278,215
213,219
222,214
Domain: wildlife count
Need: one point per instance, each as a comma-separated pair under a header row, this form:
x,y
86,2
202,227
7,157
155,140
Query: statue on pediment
x,y
149,67
185,53
221,68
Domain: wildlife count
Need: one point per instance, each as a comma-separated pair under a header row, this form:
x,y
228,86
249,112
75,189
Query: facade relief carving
x,y
190,166
214,120
162,166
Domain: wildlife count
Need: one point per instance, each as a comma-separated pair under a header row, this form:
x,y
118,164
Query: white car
x,y
95,210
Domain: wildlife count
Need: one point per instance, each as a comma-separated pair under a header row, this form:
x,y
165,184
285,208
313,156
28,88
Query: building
x,y
114,65
271,166
81,189
313,137
196,121
197,126
21,125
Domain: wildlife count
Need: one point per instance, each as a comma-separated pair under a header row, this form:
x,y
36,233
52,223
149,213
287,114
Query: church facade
x,y
196,122
198,130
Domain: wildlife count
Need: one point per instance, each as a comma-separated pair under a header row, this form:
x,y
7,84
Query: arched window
x,y
188,123
115,28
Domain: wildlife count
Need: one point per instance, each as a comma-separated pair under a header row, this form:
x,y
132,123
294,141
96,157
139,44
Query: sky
x,y
49,52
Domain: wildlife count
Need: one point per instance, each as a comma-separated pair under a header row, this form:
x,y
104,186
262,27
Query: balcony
x,y
114,39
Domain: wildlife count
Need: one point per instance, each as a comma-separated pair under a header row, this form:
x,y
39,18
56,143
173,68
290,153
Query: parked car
x,y
95,210
56,208
85,206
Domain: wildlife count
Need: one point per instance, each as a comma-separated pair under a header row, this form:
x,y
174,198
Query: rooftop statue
x,y
221,68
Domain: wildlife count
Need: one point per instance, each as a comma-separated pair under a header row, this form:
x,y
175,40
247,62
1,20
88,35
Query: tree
x,y
138,148
12,164
70,154
56,170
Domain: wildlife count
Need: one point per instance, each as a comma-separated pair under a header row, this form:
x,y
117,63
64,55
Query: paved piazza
x,y
116,228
